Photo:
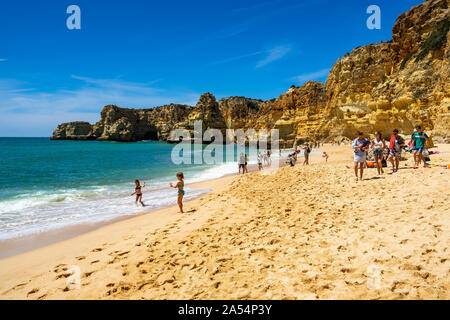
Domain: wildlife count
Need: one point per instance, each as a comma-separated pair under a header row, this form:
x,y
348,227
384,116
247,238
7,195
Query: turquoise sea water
x,y
47,184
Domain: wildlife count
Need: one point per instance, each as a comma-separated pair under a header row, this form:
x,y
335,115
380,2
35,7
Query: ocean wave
x,y
42,211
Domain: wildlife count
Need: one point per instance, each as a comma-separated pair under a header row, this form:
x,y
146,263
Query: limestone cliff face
x,y
77,130
295,113
238,112
397,84
121,124
207,111
378,87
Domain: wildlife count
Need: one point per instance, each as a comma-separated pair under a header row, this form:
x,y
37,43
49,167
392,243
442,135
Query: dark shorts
x,y
241,165
394,153
378,152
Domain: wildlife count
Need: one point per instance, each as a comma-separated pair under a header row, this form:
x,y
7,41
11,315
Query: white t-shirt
x,y
377,144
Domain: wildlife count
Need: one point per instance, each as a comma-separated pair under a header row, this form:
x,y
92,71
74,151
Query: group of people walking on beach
x,y
383,152
263,159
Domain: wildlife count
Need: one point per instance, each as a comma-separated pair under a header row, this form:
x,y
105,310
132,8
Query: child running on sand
x,y
325,156
180,186
138,191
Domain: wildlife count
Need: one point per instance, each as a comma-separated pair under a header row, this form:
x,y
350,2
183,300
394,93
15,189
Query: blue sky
x,y
143,53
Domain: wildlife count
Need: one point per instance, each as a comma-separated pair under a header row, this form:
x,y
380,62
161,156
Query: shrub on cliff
x,y
436,40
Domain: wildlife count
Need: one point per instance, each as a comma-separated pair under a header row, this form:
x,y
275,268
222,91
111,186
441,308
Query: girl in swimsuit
x,y
180,186
138,192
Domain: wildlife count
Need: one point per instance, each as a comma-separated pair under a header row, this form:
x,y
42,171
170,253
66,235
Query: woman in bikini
x,y
138,192
180,186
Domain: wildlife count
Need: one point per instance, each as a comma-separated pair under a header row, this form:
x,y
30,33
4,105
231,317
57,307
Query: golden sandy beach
x,y
303,232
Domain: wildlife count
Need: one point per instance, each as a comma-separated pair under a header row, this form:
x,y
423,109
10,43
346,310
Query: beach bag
x,y
425,153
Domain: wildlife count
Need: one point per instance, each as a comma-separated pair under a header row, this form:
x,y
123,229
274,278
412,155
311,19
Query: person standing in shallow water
x,y
138,192
246,164
180,186
360,145
242,163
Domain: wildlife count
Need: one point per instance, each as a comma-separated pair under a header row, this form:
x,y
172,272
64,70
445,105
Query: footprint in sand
x,y
63,275
87,274
97,250
19,285
33,291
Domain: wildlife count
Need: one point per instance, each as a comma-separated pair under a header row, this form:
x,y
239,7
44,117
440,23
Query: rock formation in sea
x,y
396,84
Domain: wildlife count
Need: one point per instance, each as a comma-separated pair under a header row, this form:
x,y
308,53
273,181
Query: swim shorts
x,y
394,153
378,152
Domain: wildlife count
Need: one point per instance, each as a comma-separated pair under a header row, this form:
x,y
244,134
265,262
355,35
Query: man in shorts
x,y
419,139
395,150
242,163
307,151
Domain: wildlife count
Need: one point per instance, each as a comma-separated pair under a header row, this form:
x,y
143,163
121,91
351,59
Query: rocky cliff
x,y
400,83
395,84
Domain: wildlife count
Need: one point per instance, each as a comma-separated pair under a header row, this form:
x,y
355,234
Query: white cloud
x,y
20,104
311,76
237,57
270,55
274,54
3,60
